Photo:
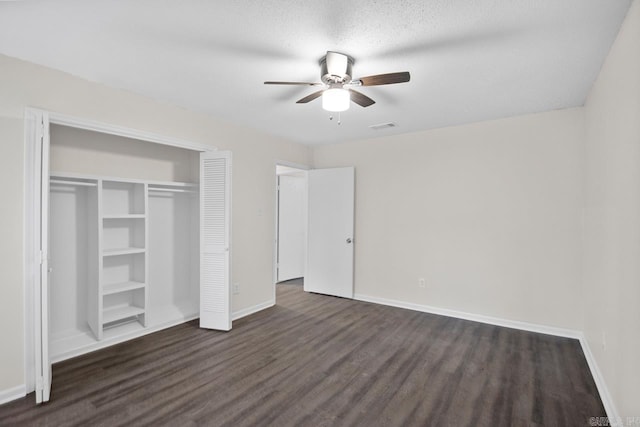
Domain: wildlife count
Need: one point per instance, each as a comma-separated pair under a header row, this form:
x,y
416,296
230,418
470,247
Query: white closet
x,y
124,253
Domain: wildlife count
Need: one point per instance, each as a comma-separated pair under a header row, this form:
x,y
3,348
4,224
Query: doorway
x,y
291,225
314,229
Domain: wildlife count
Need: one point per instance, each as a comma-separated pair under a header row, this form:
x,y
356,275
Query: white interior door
x,y
41,297
291,226
330,232
215,240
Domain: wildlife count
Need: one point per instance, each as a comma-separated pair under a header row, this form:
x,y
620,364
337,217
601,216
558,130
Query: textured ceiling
x,y
469,60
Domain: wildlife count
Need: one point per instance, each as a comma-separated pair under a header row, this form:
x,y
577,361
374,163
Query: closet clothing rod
x,y
80,183
170,190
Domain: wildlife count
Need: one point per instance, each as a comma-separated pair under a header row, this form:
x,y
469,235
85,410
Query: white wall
x,y
292,225
612,218
488,213
254,156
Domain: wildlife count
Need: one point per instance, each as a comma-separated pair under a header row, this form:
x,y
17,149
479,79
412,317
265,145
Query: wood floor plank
x,y
324,361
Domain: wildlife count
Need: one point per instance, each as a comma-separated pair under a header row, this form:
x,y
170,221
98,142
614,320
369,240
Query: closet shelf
x,y
123,251
120,312
114,288
70,182
124,216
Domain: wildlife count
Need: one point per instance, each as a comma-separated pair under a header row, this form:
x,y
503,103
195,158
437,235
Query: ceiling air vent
x,y
383,126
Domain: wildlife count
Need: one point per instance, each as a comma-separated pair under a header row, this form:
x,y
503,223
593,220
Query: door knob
x,y
349,240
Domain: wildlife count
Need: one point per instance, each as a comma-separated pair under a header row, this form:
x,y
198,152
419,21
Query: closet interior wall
x,y
124,241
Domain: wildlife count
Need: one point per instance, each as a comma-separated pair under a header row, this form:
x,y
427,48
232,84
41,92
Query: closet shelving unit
x,y
117,233
122,289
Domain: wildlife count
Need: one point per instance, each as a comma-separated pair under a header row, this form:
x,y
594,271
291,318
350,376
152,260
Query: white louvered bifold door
x,y
38,129
215,233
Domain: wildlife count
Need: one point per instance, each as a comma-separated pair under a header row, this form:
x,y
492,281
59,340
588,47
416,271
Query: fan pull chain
x,y
339,119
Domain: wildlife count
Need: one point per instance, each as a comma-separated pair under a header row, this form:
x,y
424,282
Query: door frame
x,y
275,219
34,117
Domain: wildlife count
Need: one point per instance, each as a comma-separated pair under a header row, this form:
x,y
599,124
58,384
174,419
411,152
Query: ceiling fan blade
x,y
294,83
361,99
385,79
311,97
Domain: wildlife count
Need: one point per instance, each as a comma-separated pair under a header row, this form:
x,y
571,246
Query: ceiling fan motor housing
x,y
335,68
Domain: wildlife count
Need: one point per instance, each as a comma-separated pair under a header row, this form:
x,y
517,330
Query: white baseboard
x,y
250,310
605,396
607,401
13,393
515,324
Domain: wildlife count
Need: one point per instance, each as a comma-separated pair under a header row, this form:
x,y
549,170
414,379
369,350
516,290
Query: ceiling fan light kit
x,y
336,99
336,75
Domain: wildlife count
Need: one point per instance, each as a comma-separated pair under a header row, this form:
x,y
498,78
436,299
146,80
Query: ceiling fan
x,y
335,74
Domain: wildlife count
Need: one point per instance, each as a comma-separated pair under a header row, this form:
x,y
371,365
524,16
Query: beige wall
x,y
94,153
254,156
11,283
612,218
488,213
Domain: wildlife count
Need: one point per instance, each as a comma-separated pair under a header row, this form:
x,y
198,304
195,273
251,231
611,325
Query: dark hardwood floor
x,y
315,360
